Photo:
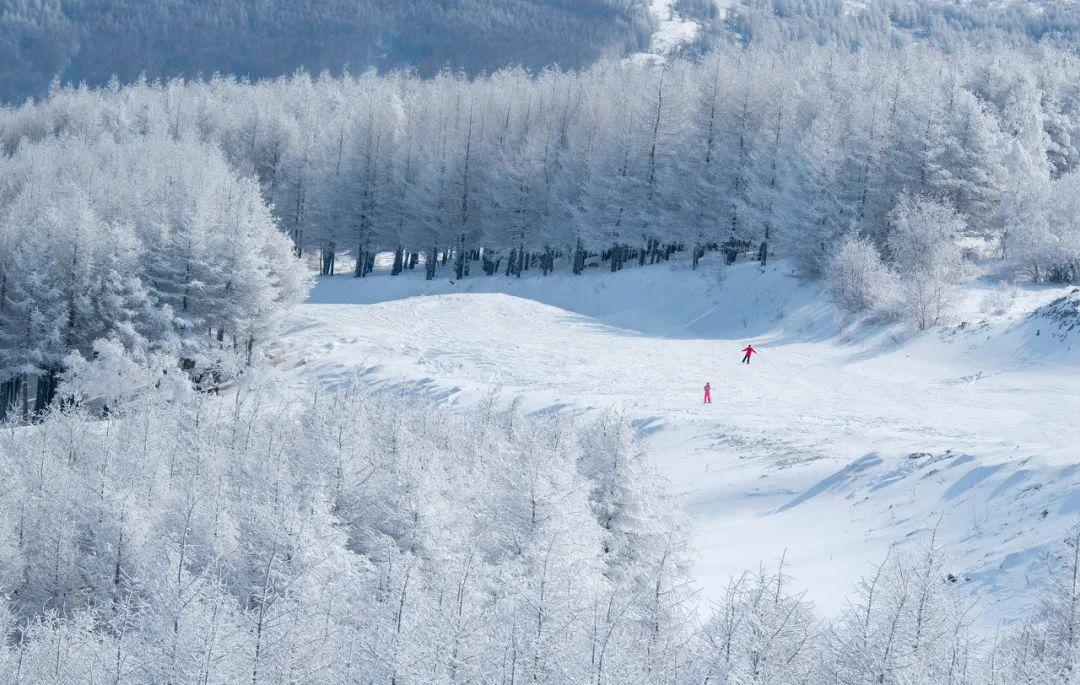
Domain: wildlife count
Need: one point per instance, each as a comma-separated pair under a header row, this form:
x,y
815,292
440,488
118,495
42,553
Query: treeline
x,y
91,41
361,538
762,149
151,242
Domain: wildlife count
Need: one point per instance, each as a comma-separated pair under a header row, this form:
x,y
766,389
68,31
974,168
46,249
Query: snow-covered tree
x,y
923,248
904,625
760,632
155,244
859,281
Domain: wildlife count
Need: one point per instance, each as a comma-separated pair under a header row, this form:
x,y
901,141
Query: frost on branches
x,y
756,149
357,539
153,244
749,150
187,537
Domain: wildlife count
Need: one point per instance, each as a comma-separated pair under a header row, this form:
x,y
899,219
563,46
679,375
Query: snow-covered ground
x,y
672,29
672,32
837,442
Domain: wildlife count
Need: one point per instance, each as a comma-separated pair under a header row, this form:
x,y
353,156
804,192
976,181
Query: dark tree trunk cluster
x,y
16,400
519,259
328,258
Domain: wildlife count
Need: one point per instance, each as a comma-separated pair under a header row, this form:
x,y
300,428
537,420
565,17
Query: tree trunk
x,y
46,389
399,261
328,258
459,258
579,258
9,397
432,263
361,255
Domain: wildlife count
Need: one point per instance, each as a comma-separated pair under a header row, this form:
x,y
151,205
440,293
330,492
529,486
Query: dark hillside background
x,y
93,40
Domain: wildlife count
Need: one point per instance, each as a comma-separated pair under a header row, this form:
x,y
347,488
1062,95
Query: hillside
x,y
883,433
93,40
858,24
90,41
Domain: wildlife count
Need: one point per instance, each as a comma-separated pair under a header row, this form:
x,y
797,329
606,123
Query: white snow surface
x,y
672,32
672,29
837,442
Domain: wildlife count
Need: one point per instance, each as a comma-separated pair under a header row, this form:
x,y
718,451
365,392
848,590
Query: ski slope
x,y
837,442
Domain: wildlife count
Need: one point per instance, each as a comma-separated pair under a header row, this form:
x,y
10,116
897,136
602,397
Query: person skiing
x,y
748,350
708,394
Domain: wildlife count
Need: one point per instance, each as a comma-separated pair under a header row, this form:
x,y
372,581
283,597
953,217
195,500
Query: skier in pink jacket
x,y
748,350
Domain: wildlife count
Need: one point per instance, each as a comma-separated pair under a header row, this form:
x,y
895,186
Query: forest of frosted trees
x,y
153,243
354,537
879,23
793,147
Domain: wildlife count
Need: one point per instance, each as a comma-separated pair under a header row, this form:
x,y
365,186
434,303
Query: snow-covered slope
x,y
837,442
672,29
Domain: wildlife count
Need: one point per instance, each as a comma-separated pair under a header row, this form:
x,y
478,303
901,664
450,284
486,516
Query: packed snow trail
x,y
828,447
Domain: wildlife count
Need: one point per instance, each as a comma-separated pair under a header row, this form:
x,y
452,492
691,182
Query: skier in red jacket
x,y
708,394
748,350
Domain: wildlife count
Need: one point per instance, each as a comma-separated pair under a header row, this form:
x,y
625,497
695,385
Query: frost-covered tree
x,y
859,281
760,632
963,160
1044,231
923,249
904,625
155,244
190,537
1046,645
